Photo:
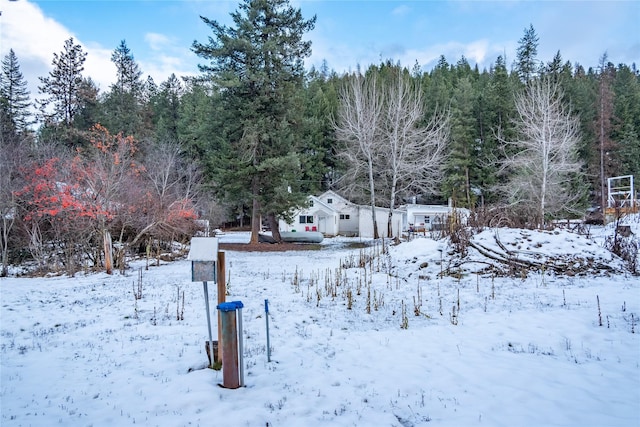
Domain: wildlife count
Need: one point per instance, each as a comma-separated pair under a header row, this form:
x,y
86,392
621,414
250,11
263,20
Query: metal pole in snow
x,y
206,301
240,348
266,311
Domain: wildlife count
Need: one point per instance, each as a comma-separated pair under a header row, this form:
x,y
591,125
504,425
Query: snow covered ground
x,y
390,344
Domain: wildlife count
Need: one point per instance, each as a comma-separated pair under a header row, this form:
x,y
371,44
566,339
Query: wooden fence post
x,y
222,295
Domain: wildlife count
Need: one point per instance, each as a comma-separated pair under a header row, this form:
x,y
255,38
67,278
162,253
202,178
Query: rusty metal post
x,y
240,343
222,295
266,316
210,342
230,373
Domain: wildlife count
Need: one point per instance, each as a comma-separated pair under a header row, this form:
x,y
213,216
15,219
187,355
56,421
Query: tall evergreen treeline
x,y
261,129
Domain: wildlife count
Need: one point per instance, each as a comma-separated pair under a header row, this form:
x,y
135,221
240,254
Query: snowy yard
x,y
391,344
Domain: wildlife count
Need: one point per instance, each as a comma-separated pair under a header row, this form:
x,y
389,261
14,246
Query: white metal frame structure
x,y
621,192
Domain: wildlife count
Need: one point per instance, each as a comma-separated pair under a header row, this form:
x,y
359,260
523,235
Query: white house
x,y
332,214
382,219
321,215
430,217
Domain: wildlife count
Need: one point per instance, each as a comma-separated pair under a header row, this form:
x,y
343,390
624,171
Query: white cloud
x,y
167,57
344,57
157,41
594,27
99,67
401,10
35,37
340,57
480,52
476,52
162,66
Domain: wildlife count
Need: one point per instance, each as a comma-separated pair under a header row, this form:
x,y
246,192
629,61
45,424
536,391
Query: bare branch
x,y
545,156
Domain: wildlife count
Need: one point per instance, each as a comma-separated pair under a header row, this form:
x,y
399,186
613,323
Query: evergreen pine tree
x,y
14,97
123,103
464,145
500,108
166,105
147,102
439,91
526,63
626,129
606,145
581,93
200,123
259,63
90,111
317,152
63,85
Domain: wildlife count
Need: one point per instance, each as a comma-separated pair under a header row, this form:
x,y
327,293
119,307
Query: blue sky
x,y
347,33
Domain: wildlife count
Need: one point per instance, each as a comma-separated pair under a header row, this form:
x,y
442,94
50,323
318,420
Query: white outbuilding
x,y
332,215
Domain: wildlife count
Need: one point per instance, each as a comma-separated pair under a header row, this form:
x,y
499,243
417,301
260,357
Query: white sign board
x,y
203,249
203,255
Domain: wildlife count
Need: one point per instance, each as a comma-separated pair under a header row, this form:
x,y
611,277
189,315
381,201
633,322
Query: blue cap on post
x,y
230,306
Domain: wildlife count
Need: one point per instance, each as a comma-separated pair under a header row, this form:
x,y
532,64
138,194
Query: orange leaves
x,y
105,185
53,190
116,145
181,210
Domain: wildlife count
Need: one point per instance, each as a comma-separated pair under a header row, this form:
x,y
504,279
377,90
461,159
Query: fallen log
x,y
556,265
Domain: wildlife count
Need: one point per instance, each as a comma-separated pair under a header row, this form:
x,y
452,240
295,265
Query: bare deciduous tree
x,y
386,143
414,152
109,167
173,185
358,127
545,156
9,160
162,161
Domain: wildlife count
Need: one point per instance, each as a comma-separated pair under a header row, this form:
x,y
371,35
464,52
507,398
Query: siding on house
x,y
332,214
382,218
348,219
317,217
430,217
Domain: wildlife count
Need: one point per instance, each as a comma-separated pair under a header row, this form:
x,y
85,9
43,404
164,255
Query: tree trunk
x,y
108,252
6,228
255,214
467,186
121,253
275,229
543,188
373,201
392,204
142,232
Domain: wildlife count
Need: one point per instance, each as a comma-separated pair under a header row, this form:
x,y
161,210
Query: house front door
x,y
322,224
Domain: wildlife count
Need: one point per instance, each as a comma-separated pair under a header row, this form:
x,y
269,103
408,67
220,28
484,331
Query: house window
x,y
311,203
345,216
329,201
306,219
427,219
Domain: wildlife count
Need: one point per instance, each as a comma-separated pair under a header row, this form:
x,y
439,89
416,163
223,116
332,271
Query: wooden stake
x,y
108,251
221,274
